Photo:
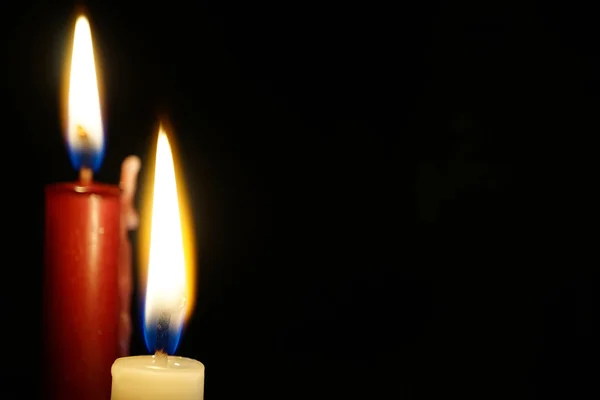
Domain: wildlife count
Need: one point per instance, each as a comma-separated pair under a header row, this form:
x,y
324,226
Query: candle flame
x,y
84,131
168,290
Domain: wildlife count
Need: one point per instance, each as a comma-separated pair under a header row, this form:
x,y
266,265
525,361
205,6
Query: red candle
x,y
81,302
82,238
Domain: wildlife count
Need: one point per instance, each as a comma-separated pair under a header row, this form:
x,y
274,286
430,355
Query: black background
x,y
390,200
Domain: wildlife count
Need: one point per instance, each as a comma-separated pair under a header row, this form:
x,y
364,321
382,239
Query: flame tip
x,y
82,22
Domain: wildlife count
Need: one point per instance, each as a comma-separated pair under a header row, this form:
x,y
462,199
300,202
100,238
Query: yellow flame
x,y
84,126
170,279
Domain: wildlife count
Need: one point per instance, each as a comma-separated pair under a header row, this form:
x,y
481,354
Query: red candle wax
x,y
81,303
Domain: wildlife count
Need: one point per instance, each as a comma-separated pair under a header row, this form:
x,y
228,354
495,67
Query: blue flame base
x,y
162,332
86,158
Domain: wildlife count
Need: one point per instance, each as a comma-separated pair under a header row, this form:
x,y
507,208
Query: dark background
x,y
390,200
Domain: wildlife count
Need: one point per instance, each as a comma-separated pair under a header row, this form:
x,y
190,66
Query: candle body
x,y
137,378
81,303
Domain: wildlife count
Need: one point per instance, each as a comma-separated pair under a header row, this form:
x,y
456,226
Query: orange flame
x,y
84,128
166,236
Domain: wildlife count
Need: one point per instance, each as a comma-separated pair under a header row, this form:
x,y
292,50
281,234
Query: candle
x,y
137,378
82,237
167,303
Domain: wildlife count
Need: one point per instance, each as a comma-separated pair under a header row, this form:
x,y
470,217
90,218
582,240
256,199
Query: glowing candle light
x,y
162,376
85,135
166,287
82,238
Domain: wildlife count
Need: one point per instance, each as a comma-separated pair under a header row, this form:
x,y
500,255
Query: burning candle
x,y
168,301
82,237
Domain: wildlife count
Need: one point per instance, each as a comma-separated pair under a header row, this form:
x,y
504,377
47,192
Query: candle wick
x,y
81,132
161,359
86,175
162,330
162,337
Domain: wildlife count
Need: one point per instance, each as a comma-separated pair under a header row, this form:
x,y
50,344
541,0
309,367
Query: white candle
x,y
167,303
138,378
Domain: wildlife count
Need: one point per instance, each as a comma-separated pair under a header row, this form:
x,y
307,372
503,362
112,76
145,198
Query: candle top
x,y
146,364
91,189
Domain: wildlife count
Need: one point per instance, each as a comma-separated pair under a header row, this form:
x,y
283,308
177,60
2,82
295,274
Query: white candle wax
x,y
138,378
